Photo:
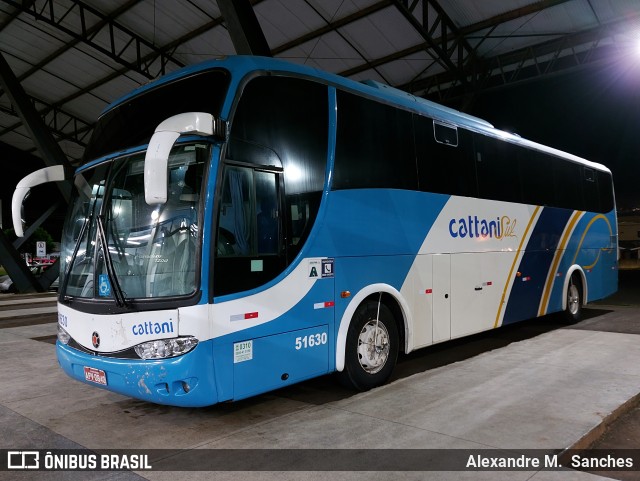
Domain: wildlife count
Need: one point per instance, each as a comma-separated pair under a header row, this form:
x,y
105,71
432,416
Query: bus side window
x,y
267,213
590,190
283,122
374,146
445,158
566,183
605,189
497,169
248,220
445,134
535,177
248,247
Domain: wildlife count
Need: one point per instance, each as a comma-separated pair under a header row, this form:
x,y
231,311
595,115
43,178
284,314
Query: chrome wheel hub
x,y
573,299
373,346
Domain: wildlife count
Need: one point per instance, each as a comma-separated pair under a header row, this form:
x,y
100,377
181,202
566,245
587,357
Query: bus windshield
x,y
150,250
132,122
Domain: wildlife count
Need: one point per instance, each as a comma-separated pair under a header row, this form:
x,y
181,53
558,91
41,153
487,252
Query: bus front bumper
x,y
187,380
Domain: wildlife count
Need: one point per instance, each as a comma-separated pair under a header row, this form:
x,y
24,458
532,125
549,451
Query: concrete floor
x,y
531,386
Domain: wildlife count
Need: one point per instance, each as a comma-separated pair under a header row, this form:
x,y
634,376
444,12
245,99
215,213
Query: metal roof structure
x,y
74,57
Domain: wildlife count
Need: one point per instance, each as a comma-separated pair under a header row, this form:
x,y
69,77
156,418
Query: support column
x,y
52,154
244,28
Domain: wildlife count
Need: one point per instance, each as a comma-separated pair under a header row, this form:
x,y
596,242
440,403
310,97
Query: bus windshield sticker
x,y
257,265
104,286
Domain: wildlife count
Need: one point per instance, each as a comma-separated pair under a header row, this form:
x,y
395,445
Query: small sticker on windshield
x,y
104,286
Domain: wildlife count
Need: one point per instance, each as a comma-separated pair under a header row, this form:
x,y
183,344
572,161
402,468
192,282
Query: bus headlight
x,y
63,336
163,348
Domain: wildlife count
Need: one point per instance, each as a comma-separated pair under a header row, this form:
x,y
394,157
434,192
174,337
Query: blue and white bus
x,y
245,224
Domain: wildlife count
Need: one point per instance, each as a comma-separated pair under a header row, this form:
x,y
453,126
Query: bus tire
x,y
371,348
573,311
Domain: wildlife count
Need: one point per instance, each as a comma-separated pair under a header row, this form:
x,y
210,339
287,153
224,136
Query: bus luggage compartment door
x,y
441,297
276,361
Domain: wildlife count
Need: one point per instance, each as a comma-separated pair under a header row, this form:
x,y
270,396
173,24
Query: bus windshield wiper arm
x,y
111,273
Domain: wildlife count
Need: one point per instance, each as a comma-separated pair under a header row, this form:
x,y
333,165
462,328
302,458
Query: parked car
x,y
41,260
6,283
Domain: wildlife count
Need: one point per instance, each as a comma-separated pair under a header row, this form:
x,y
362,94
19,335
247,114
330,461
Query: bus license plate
x,y
97,376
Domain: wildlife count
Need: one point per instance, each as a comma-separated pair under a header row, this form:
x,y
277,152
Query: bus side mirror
x,y
54,173
157,157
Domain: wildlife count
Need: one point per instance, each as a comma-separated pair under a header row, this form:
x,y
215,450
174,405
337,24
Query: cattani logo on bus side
x,y
477,227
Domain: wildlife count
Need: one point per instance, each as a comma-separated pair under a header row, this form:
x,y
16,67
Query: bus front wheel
x,y
573,311
371,347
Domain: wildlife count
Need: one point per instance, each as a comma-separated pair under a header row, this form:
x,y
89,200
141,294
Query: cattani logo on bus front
x,y
473,226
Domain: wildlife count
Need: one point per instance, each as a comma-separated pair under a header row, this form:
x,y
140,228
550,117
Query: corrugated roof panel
x,y
334,9
17,65
162,21
110,91
611,10
72,150
499,44
211,8
424,65
86,106
531,29
400,71
27,42
47,87
283,22
6,119
214,43
19,138
299,54
6,11
329,52
381,34
368,75
392,26
81,66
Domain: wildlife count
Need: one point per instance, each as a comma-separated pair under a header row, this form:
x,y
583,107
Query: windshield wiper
x,y
118,294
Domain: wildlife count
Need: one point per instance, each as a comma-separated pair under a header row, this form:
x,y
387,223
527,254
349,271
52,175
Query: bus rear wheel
x,y
573,311
371,350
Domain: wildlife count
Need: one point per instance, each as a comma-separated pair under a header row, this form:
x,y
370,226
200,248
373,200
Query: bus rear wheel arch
x,y
372,345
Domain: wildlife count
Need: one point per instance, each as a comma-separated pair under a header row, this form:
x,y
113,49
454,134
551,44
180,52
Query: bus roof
x,y
242,65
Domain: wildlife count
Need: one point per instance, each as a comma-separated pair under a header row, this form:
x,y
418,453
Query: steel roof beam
x,y
69,45
13,15
133,46
60,123
463,31
148,59
332,26
48,147
553,56
510,15
52,155
450,48
243,26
